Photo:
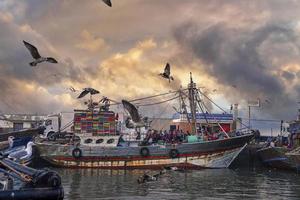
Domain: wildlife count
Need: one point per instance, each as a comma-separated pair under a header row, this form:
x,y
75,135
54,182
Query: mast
x,y
191,89
183,109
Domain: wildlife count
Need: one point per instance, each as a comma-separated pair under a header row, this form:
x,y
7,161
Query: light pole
x,y
252,104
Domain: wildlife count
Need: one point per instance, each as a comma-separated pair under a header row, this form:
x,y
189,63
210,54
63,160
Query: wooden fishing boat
x,y
104,152
102,146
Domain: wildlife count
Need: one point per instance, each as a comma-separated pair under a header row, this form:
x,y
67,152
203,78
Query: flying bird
x,y
85,91
107,2
167,73
36,55
133,111
72,89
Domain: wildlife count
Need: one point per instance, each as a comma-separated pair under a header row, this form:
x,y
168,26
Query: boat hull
x,y
294,156
275,157
214,154
33,194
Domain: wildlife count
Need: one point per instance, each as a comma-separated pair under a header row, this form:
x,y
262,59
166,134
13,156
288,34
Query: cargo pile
x,y
97,123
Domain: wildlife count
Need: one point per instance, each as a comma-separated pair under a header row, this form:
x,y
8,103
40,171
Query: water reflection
x,y
204,184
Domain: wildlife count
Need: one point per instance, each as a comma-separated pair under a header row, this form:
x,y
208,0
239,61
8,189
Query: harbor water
x,y
92,184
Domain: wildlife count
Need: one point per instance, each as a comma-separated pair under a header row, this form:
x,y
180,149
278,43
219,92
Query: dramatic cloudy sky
x,y
237,50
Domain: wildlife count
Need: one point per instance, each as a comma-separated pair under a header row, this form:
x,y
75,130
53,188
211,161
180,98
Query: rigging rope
x,y
220,107
156,103
143,98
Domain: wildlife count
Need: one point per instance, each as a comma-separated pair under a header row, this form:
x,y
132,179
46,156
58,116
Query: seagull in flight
x,y
36,55
72,89
107,2
167,73
85,91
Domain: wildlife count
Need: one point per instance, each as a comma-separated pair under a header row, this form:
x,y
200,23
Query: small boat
x,y
275,157
24,133
35,184
278,156
294,156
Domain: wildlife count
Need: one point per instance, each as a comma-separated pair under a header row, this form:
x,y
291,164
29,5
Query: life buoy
x,y
174,153
76,153
144,152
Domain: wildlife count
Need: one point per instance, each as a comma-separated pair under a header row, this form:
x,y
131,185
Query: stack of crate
x,y
97,123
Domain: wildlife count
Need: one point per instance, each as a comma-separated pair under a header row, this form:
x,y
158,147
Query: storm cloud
x,y
242,50
239,58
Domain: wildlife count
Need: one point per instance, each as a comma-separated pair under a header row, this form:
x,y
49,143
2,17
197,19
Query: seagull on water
x,y
85,91
167,73
107,2
36,55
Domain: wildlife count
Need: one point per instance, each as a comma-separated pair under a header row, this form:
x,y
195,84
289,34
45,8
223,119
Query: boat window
x,y
48,122
88,141
99,141
110,141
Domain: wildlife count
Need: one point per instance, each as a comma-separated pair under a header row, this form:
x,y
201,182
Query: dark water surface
x,y
91,184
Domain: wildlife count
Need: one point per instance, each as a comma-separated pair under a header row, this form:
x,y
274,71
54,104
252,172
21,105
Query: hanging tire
x,y
76,153
144,152
51,136
174,153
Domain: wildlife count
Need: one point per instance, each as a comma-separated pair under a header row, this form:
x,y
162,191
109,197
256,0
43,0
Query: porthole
x,y
110,141
99,141
88,141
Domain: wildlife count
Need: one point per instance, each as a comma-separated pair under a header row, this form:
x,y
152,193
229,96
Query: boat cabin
x,y
209,122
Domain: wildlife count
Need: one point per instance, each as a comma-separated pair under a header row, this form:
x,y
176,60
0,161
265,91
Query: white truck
x,y
56,125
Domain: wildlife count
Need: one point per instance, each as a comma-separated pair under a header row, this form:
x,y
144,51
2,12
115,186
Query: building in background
x,y
16,122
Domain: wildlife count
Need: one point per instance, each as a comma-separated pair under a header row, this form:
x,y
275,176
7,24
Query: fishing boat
x,y
275,157
279,156
294,156
100,145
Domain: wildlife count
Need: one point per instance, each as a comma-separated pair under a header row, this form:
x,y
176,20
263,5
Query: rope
x,y
67,125
151,104
143,98
220,107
